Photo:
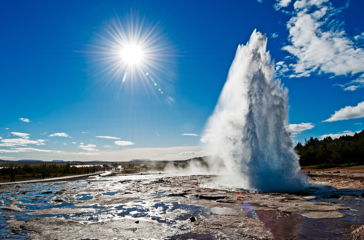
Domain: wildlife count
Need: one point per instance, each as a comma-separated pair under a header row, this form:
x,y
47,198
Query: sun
x,y
132,54
129,49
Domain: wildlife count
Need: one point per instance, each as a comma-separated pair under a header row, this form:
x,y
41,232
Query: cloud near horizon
x,y
190,134
124,143
126,154
298,128
108,137
347,112
88,147
338,135
60,135
19,134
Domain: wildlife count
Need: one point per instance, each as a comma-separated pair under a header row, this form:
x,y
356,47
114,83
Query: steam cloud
x,y
248,133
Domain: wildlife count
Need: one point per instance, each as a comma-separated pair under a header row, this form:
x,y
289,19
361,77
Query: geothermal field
x,y
179,206
251,186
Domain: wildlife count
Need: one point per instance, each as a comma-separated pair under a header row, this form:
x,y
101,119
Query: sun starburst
x,y
129,49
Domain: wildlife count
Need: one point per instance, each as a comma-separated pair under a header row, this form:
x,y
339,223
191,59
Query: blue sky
x,y
61,99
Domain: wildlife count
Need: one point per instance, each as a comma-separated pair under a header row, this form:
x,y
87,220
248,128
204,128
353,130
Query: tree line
x,y
34,171
328,152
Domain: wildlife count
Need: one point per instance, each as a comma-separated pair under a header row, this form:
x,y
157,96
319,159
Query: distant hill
x,y
29,160
140,160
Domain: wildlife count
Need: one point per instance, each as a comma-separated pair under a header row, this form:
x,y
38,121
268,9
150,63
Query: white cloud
x,y
108,146
190,134
108,137
74,143
13,142
281,3
27,150
19,134
124,143
274,35
207,137
7,128
298,128
338,135
88,147
1,138
84,132
24,120
60,135
353,84
170,153
348,112
65,144
318,42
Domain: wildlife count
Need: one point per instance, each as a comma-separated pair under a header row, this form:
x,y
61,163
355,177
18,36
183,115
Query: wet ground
x,y
163,206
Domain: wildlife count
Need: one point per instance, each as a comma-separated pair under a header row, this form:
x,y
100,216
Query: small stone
x,y
193,219
137,221
308,198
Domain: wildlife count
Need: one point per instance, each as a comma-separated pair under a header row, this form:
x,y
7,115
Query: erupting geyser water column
x,y
248,130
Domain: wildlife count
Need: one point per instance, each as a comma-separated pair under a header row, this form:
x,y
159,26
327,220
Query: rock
x,y
358,233
59,200
193,219
47,192
309,198
347,198
12,208
321,215
226,201
137,221
210,197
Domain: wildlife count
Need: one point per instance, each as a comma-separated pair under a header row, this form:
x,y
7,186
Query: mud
x,y
166,206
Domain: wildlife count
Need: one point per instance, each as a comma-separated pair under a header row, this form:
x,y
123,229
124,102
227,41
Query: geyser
x,y
247,134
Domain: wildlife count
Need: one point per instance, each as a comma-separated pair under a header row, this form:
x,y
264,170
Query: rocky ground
x,y
165,206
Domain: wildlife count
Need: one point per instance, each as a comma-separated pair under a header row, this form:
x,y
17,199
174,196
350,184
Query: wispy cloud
x,y
24,120
281,3
298,128
88,147
28,150
190,134
124,143
318,42
338,135
13,142
84,132
60,135
348,112
274,35
207,137
108,137
19,134
353,84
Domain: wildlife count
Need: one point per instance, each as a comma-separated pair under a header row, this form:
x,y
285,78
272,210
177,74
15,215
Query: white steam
x,y
248,135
